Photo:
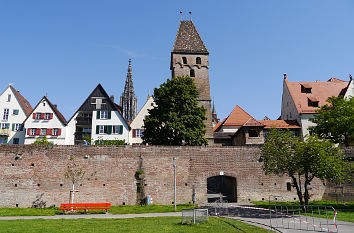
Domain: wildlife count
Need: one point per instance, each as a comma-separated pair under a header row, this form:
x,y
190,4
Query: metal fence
x,y
309,218
193,216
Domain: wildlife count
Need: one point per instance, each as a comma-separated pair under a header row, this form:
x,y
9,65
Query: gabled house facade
x,y
137,125
45,120
98,118
300,100
14,109
239,128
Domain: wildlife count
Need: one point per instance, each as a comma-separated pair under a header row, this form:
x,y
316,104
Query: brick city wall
x,y
27,171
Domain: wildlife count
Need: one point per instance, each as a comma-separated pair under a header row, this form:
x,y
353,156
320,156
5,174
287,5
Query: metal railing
x,y
310,218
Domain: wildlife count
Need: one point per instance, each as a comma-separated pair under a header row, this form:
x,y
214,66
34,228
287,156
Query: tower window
x,y
184,59
198,60
192,73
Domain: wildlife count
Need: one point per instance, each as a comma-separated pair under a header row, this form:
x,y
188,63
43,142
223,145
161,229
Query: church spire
x,y
128,100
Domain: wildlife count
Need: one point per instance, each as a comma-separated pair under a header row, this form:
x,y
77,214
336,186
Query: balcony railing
x,y
4,132
83,121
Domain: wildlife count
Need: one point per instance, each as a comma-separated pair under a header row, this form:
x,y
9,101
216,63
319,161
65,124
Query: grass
x,y
344,212
146,225
129,209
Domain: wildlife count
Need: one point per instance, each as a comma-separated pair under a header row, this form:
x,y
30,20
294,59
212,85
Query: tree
x,y
302,160
74,173
42,141
177,119
336,121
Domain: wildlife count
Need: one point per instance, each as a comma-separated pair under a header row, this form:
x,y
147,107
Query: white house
x,y
14,109
45,120
98,118
300,100
137,125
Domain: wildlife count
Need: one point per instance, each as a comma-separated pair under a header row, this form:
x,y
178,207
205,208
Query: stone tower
x,y
128,100
189,57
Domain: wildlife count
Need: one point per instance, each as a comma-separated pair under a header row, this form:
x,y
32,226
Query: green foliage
x,y
177,119
74,172
336,121
110,142
43,141
302,161
146,225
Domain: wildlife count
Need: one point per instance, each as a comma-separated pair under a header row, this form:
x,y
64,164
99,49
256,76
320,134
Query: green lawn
x,y
146,225
344,212
114,210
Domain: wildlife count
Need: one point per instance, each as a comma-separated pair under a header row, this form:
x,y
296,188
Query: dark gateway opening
x,y
221,186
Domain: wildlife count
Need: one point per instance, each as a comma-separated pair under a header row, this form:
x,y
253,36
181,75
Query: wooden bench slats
x,y
84,206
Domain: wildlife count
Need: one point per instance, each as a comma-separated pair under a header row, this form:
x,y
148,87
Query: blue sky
x,y
65,48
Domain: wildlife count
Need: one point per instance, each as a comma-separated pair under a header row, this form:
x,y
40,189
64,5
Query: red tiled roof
x,y
218,125
320,91
284,124
55,110
238,117
23,102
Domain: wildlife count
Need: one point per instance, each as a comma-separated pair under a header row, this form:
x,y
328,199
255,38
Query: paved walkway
x,y
78,216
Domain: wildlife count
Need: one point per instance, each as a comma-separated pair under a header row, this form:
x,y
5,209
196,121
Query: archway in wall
x,y
224,186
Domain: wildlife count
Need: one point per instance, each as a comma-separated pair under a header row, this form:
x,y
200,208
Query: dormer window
x,y
312,102
184,60
306,89
198,60
192,73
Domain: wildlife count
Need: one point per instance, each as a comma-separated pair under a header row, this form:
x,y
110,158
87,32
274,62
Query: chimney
x,y
112,98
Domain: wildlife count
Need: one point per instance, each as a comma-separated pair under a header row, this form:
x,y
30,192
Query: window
x,y
198,60
101,129
55,132
47,116
43,131
8,98
33,131
16,127
16,140
104,115
38,116
6,114
139,133
5,126
312,103
305,89
117,129
288,186
192,73
253,133
184,60
15,112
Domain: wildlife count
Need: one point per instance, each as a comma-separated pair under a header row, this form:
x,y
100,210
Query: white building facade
x,y
14,109
137,125
301,100
97,119
45,120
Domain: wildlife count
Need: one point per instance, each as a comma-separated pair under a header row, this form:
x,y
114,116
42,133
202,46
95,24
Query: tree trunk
x,y
306,194
298,191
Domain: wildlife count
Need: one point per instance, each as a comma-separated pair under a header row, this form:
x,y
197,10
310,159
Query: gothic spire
x,y
128,100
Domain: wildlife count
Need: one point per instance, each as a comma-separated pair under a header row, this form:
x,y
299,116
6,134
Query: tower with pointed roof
x,y
189,57
128,100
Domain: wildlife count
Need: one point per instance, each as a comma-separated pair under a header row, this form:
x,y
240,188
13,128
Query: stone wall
x,y
27,171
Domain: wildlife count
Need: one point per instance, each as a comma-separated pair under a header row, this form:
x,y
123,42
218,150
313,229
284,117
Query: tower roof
x,y
188,39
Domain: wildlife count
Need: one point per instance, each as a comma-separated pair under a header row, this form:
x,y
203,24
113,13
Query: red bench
x,y
84,206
